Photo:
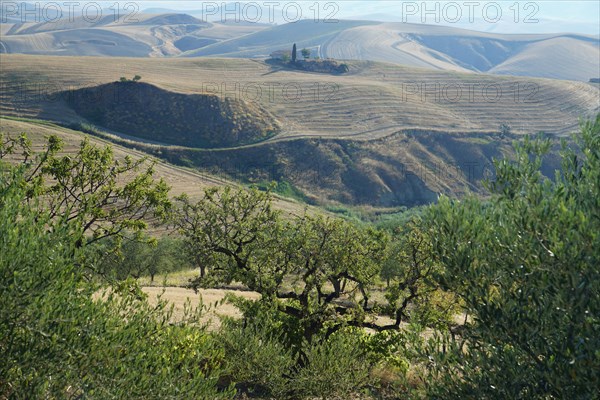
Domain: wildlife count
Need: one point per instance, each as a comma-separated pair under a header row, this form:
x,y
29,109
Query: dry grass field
x,y
210,299
557,56
373,101
180,180
149,35
381,135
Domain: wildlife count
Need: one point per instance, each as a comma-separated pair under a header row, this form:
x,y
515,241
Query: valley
x,y
380,135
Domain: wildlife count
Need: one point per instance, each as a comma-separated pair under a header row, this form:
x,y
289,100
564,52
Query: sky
x,y
510,16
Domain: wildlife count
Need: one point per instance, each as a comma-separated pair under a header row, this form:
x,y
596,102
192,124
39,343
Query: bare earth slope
x,y
180,180
381,135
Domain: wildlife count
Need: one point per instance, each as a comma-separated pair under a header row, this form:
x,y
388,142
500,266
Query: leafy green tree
x,y
413,293
525,264
107,196
137,78
305,53
226,225
505,130
137,258
61,336
314,269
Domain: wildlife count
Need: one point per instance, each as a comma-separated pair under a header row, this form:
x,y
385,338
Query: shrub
x,y
257,360
526,266
61,338
334,368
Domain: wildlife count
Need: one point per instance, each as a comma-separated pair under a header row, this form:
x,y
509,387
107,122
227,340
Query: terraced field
x,y
180,180
372,101
380,135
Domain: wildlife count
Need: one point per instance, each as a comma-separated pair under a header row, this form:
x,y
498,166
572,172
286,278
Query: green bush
x,y
257,360
64,337
525,263
335,368
261,361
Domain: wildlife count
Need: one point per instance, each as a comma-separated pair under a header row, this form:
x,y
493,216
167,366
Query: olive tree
x,y
62,336
525,264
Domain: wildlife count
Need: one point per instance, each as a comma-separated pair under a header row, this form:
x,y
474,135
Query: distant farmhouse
x,y
281,55
304,61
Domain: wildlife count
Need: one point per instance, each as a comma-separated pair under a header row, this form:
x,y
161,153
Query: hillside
x,y
149,36
436,47
180,180
372,101
380,135
193,120
557,56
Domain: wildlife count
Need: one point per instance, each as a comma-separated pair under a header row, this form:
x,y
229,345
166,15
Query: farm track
x,y
181,180
357,105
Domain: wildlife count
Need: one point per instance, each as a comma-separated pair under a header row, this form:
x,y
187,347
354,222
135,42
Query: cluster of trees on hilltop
x,y
494,298
317,65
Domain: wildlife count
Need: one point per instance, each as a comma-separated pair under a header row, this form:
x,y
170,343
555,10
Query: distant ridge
x,y
563,56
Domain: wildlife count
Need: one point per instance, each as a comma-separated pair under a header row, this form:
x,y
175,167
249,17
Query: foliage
x,y
226,226
136,78
106,196
283,188
250,243
317,270
335,368
62,337
294,53
410,271
505,130
256,358
261,362
305,53
526,266
137,258
318,274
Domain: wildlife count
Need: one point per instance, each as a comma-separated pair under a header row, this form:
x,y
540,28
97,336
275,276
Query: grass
x,y
176,279
181,180
359,105
283,188
212,300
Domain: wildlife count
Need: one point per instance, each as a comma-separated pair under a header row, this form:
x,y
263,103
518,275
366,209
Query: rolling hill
x,y
560,56
149,35
380,135
557,56
181,180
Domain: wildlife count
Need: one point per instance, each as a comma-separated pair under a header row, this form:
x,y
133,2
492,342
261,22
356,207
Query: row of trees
x,y
519,270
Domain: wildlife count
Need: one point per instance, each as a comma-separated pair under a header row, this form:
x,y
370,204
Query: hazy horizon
x,y
532,17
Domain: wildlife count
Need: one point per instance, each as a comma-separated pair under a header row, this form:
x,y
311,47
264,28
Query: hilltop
x,y
379,135
557,56
194,120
